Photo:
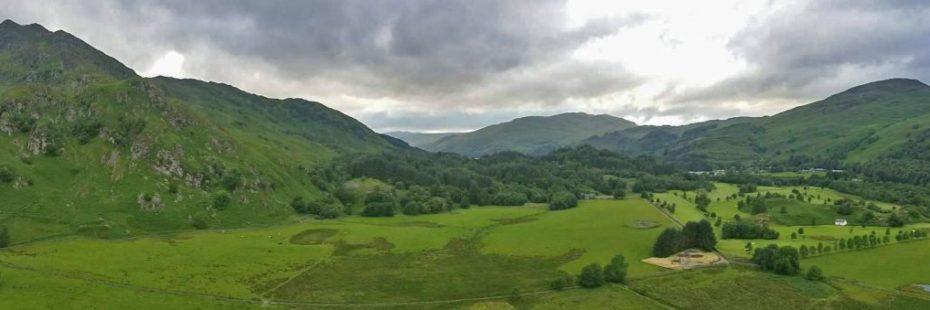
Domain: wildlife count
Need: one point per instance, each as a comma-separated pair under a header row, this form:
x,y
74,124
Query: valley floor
x,y
483,258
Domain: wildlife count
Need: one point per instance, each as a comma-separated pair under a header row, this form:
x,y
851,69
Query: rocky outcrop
x,y
168,163
150,202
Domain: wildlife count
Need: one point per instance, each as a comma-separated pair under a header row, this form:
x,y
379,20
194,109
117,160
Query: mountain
x,y
862,124
420,139
88,146
534,135
653,140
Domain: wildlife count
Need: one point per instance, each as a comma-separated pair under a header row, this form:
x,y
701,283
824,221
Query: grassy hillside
x,y
861,124
534,135
89,147
420,139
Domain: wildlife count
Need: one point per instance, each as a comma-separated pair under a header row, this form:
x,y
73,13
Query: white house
x,y
840,222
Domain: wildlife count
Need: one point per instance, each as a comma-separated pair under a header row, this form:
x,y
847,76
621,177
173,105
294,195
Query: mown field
x,y
888,266
896,266
487,251
479,258
741,288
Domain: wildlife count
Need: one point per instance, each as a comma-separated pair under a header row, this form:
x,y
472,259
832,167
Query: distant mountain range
x,y
535,135
420,139
861,124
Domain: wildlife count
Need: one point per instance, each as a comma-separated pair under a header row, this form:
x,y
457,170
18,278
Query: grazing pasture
x,y
486,251
893,266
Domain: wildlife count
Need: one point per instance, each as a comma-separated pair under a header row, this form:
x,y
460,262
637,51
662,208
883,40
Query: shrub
x,y
591,276
200,221
299,205
6,174
330,211
814,274
563,200
615,272
221,201
378,209
86,129
562,283
4,237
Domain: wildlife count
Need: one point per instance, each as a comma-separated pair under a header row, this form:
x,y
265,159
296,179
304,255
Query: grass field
x,y
609,297
599,228
487,251
738,288
887,267
405,261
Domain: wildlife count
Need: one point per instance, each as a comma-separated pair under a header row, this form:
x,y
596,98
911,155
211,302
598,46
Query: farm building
x,y
840,222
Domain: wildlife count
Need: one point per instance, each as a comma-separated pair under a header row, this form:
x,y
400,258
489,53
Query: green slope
x,y
535,135
861,124
420,139
88,146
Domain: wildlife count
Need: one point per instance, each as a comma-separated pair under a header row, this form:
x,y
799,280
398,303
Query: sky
x,y
458,65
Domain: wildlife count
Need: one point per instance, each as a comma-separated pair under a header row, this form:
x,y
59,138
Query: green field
x,y
894,266
600,228
487,251
738,288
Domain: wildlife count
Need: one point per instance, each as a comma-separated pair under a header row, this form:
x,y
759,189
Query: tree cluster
x,y
747,230
594,276
781,260
693,235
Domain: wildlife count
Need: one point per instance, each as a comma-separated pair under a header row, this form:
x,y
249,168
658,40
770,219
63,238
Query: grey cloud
x,y
419,49
431,54
808,51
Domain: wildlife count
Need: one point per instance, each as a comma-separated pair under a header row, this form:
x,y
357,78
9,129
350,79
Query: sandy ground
x,y
687,259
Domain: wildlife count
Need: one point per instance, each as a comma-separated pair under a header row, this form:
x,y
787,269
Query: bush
x,y
591,276
299,205
814,274
330,211
4,237
509,199
6,174
562,283
86,129
200,221
412,208
615,272
437,205
563,200
221,201
378,209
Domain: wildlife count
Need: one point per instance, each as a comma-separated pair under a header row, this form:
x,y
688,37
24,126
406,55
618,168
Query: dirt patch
x,y
687,259
313,236
642,224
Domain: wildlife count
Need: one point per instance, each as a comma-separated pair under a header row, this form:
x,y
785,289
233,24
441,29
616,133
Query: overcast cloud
x,y
460,65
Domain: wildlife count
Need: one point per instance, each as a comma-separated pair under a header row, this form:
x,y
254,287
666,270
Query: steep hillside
x,y
534,135
861,124
420,139
655,140
88,146
856,125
